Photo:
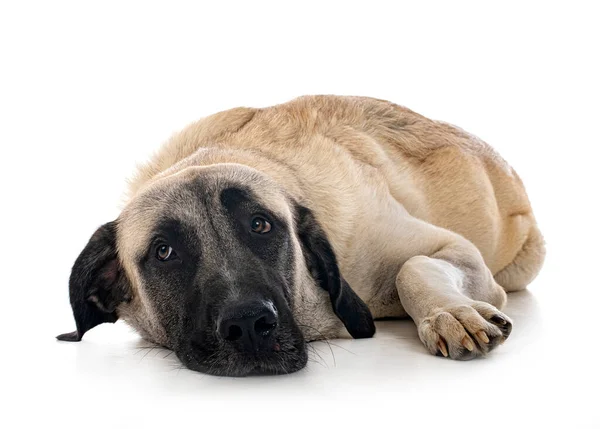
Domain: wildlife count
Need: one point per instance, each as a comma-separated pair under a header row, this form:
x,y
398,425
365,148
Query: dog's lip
x,y
244,367
258,355
264,362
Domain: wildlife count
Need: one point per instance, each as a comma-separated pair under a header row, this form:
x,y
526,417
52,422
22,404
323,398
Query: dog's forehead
x,y
192,192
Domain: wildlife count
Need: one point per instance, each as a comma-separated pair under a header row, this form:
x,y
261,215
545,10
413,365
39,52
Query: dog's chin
x,y
291,357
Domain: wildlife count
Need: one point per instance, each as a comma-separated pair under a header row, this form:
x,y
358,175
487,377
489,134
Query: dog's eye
x,y
164,252
260,225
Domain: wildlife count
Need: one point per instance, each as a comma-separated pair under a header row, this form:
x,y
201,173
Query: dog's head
x,y
219,264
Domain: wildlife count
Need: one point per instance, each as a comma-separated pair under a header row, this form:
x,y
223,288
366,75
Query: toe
x,y
481,328
460,344
503,323
466,331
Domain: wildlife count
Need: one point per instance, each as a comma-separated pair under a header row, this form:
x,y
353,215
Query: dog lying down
x,y
253,231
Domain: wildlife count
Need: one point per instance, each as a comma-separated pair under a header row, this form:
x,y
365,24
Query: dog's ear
x,y
321,261
97,284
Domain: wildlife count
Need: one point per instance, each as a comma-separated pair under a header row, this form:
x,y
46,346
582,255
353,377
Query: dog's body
x,y
424,219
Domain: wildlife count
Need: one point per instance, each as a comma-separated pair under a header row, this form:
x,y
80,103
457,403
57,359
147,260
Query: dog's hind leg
x,y
526,265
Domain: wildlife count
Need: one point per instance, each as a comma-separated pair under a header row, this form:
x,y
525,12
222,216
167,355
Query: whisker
x,y
343,348
316,352
317,362
145,355
323,339
139,349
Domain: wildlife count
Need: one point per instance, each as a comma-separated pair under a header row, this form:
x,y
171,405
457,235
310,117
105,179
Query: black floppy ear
x,y
97,284
320,259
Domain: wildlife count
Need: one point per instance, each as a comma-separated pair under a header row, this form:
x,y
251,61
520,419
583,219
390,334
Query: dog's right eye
x,y
164,252
260,225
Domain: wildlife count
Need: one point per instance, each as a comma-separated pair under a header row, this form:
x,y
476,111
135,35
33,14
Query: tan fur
x,y
422,216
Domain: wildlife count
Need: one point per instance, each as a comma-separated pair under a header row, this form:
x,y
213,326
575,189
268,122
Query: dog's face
x,y
219,264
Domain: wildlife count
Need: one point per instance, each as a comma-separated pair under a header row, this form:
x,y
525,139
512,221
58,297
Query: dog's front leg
x,y
453,298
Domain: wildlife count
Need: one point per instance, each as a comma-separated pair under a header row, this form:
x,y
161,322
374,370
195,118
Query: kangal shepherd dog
x,y
253,231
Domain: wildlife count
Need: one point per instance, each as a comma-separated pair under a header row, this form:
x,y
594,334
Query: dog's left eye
x,y
164,252
260,225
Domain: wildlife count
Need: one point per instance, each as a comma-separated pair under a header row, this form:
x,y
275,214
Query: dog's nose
x,y
250,326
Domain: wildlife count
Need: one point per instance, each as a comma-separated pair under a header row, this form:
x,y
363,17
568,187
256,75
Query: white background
x,y
89,89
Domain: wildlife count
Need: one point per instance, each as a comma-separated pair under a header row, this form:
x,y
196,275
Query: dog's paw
x,y
466,331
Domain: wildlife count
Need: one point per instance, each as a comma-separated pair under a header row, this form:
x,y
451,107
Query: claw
x,y
483,337
499,320
442,347
468,343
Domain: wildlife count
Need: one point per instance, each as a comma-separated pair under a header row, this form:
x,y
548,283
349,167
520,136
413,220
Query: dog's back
x,y
456,180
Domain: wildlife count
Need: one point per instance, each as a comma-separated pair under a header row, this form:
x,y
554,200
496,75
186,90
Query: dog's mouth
x,y
286,355
244,338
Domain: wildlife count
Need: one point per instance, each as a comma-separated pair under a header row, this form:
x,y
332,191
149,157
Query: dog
x,y
254,231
